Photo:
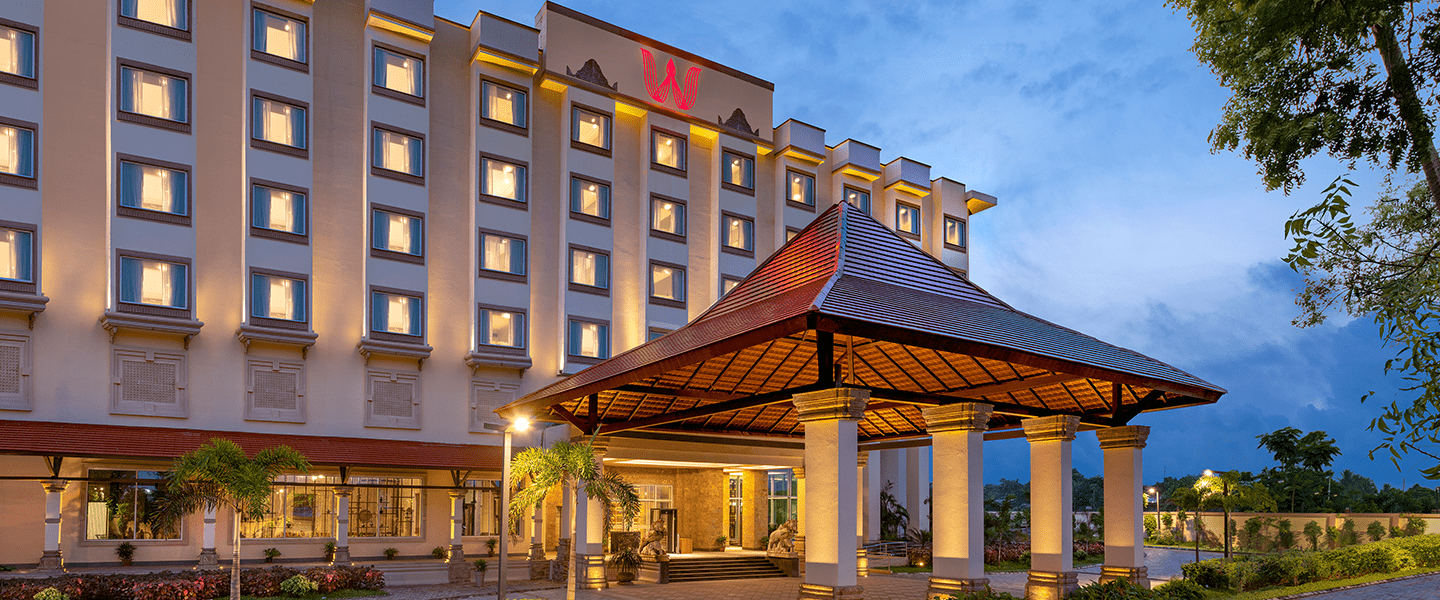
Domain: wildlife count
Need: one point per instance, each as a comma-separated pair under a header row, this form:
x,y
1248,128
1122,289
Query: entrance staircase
x,y
708,568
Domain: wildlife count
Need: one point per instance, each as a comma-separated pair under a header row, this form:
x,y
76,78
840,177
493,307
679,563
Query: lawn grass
x,y
1314,586
330,596
1008,566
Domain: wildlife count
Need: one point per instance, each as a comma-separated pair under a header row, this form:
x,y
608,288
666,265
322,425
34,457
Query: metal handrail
x,y
887,548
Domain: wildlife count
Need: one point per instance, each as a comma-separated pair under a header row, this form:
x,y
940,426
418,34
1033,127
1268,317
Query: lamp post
x,y
1225,506
519,424
1156,493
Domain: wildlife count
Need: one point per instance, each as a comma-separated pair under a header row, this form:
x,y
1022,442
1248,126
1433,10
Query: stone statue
x,y
783,538
653,544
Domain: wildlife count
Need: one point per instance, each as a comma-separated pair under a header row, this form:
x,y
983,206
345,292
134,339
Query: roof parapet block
x,y
977,201
801,141
909,176
857,158
505,43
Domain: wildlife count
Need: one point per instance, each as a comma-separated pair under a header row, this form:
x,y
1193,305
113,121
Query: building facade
x,y
353,220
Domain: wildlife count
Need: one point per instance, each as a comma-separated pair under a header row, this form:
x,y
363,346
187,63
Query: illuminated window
x,y
17,151
802,188
300,506
737,232
590,128
126,505
590,340
667,282
277,210
275,297
589,268
397,233
277,122
737,170
502,180
279,36
154,282
657,333
954,232
589,198
791,233
502,254
482,513
17,52
399,152
667,150
502,328
395,313
782,496
728,283
153,95
907,219
858,199
388,506
153,188
399,72
503,104
17,251
170,13
667,216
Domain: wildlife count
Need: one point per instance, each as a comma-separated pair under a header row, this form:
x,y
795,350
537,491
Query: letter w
x,y
684,99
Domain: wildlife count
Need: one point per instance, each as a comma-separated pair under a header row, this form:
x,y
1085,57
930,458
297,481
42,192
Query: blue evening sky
x,y
1089,122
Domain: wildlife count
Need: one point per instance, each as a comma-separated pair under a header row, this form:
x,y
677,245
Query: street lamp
x,y
1225,506
1156,493
519,424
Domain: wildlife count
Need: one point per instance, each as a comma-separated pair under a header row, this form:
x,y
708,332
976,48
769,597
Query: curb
x,y
1356,586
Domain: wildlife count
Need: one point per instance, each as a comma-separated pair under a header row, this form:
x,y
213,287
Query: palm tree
x,y
573,466
218,474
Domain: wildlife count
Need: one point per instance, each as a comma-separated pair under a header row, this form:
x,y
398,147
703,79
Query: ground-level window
x,y
301,506
482,508
781,485
391,510
125,505
651,497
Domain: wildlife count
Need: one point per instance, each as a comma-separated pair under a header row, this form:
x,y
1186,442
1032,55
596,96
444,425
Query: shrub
x,y
1208,573
1150,526
1115,589
329,550
51,593
1375,531
188,585
440,552
390,553
1284,537
1179,589
1414,526
986,594
1312,533
298,586
1348,536
169,590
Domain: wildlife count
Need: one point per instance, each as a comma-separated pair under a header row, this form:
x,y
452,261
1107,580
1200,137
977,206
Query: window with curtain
x,y
274,297
277,122
153,95
16,255
802,188
667,282
279,36
398,152
589,198
153,188
727,284
907,218
589,268
502,254
667,216
398,233
154,282
394,313
954,232
738,233
502,179
503,104
590,340
170,13
17,151
17,52
278,210
737,170
590,128
502,328
858,199
400,73
125,505
668,150
300,506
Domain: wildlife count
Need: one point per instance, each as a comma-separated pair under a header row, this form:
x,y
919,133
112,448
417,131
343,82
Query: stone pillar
x,y
539,567
862,507
1124,513
957,435
459,569
917,487
800,519
830,418
51,559
589,528
342,524
208,559
1052,573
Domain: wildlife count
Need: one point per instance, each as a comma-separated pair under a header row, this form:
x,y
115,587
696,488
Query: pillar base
x,y
208,560
815,591
459,571
51,560
590,572
1137,575
1051,585
539,567
862,563
342,555
942,588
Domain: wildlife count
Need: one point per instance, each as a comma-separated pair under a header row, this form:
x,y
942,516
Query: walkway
x,y
1426,588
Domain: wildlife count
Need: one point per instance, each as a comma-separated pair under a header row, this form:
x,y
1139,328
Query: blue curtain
x,y
130,182
27,54
129,8
417,234
131,273
379,67
378,304
180,297
259,296
260,207
178,96
299,299
26,141
257,118
519,108
520,181
602,271
297,126
377,149
414,304
297,213
379,229
417,156
127,89
517,257
23,254
258,34
179,192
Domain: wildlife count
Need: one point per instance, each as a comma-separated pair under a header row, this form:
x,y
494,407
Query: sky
x,y
1089,121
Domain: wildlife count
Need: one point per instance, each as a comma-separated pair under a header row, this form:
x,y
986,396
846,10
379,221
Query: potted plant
x,y
721,541
480,566
626,563
390,553
440,552
271,553
490,545
329,551
126,552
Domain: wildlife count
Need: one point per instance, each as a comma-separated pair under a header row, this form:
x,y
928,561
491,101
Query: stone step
x,y
720,568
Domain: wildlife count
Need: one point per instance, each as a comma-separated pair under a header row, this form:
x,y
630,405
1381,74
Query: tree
x,y
572,466
1229,492
1303,460
216,475
1355,80
1191,500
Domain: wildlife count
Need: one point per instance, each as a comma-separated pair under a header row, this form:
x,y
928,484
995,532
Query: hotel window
x,y
125,505
954,232
398,72
589,268
276,122
790,233
667,216
481,510
151,97
397,153
396,313
503,104
667,284
500,179
589,198
277,297
17,154
589,339
728,283
17,54
396,234
668,150
907,219
300,506
278,210
172,16
657,333
737,233
502,256
802,189
279,36
150,192
589,128
738,170
502,327
386,507
154,282
858,199
17,259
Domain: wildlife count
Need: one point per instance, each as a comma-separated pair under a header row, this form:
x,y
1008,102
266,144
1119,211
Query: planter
x,y
125,562
625,577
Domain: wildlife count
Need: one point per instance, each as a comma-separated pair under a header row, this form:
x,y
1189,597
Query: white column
x,y
1052,573
589,530
539,567
917,487
51,559
1124,519
830,418
459,570
208,559
862,509
342,524
874,483
957,436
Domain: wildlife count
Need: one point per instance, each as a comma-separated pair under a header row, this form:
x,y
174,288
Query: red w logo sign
x,y
684,99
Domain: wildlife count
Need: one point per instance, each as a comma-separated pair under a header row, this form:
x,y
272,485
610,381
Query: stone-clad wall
x,y
700,496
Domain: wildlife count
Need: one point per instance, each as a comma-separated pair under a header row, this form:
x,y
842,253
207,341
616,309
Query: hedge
x,y
190,585
1298,568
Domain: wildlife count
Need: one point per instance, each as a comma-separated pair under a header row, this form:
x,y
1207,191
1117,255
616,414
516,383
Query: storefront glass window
x,y
482,508
126,507
781,485
301,506
392,510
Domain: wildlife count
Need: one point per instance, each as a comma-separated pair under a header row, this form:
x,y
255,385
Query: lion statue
x,y
653,544
783,538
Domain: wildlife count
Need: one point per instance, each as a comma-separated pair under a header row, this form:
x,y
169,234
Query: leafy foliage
x,y
194,585
894,519
51,593
1298,568
298,586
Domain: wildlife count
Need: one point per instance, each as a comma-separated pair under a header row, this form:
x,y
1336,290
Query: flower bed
x,y
190,585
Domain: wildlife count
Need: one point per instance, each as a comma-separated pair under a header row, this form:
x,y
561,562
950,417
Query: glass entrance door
x,y
737,509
